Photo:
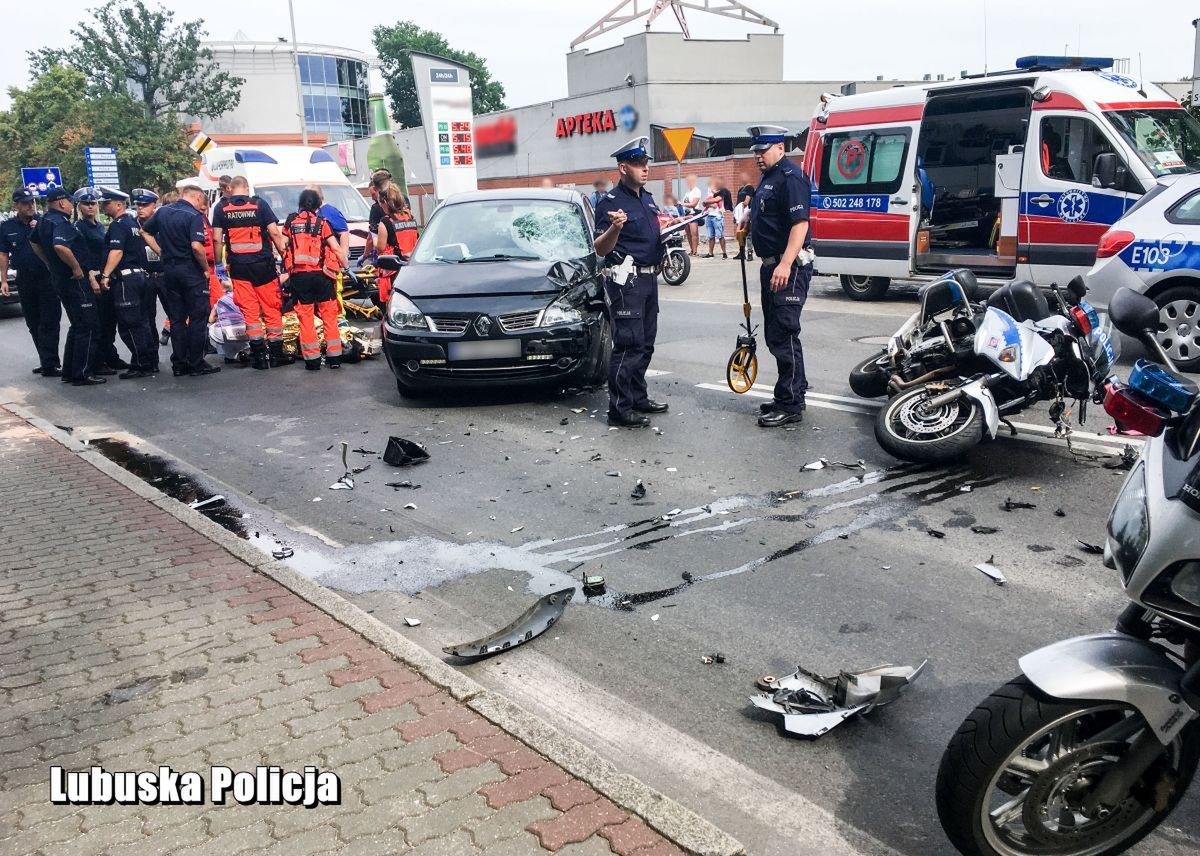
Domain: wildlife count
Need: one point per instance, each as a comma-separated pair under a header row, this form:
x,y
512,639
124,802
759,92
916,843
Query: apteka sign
x,y
586,123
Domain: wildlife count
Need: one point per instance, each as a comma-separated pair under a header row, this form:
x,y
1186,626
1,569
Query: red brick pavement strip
x,y
283,618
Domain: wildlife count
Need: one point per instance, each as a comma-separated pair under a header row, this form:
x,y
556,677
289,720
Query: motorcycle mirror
x,y
1076,288
1133,314
389,263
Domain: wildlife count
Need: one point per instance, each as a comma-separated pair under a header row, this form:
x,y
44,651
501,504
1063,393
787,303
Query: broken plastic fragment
x,y
534,621
1058,512
812,704
654,617
639,490
402,453
991,571
346,482
283,553
614,473
200,503
819,464
516,529
578,409
410,506
936,533
362,451
593,584
356,470
406,483
412,622
1091,548
1009,504
984,530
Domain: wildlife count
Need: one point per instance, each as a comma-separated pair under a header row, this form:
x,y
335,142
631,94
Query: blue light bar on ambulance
x,y
253,156
1048,63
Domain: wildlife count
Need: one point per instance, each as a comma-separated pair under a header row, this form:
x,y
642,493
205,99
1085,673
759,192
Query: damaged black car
x,y
504,287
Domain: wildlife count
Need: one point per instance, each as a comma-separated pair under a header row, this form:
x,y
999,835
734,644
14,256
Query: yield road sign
x,y
678,139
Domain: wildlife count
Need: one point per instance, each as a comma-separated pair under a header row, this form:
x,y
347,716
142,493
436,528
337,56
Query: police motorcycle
x,y
1094,744
676,264
958,366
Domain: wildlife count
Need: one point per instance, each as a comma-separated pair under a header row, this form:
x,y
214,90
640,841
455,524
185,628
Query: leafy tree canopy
x,y
126,47
392,44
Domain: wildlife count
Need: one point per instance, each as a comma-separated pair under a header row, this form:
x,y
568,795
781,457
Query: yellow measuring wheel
x,y
742,369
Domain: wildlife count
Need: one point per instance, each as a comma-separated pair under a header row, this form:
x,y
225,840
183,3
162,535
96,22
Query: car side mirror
x,y
1105,170
389,263
1133,314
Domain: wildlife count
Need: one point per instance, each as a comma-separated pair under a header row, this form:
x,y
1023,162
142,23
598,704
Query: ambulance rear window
x,y
864,161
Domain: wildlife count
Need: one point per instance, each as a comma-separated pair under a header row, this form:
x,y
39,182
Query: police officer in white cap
x,y
780,233
628,237
124,275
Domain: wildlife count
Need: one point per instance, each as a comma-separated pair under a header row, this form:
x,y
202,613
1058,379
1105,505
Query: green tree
x,y
126,47
50,123
392,44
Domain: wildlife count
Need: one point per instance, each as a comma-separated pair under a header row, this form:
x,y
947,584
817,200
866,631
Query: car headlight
x,y
403,314
560,312
1129,523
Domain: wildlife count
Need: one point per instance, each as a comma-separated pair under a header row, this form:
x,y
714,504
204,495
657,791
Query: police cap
x,y
113,194
56,194
86,195
762,137
23,195
142,196
636,149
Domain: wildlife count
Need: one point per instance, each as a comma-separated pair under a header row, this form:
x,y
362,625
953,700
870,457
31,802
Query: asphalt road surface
x,y
517,500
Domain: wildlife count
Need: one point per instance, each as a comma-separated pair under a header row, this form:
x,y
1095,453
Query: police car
x,y
1155,249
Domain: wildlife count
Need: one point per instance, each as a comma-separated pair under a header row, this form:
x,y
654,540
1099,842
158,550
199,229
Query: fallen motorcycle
x,y
958,366
1095,743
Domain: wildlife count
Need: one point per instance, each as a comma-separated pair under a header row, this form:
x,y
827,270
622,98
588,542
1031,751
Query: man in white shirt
x,y
691,204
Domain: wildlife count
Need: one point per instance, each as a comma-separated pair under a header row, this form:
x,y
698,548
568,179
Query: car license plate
x,y
497,349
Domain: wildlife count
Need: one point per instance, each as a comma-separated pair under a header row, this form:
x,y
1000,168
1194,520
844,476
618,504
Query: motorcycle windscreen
x,y
1015,348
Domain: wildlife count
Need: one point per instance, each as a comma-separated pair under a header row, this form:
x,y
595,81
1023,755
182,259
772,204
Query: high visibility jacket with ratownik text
x,y
308,244
245,233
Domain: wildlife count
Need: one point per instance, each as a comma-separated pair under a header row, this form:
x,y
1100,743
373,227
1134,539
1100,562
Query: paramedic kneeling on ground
x,y
779,230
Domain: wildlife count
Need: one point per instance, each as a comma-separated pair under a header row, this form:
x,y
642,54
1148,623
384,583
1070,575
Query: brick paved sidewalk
x,y
129,640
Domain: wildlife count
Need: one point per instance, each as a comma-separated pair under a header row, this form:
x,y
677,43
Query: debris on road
x,y
654,617
1095,549
515,529
991,571
356,470
397,485
1058,512
936,533
283,553
410,506
402,453
533,622
361,451
412,622
812,704
200,503
614,473
984,530
1010,504
346,482
564,421
639,490
593,585
818,464
860,464
688,577
715,657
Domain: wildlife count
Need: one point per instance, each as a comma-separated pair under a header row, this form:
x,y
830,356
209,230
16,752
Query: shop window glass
x,y
330,70
864,161
310,112
304,72
1069,146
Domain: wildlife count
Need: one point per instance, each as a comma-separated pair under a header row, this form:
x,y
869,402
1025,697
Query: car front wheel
x,y
1179,325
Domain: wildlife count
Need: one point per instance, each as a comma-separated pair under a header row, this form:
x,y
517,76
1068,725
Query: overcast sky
x,y
524,41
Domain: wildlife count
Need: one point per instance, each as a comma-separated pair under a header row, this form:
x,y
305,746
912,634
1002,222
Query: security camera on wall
x,y
629,80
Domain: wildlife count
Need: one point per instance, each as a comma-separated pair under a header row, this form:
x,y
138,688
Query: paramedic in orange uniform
x,y
396,234
244,230
312,260
215,290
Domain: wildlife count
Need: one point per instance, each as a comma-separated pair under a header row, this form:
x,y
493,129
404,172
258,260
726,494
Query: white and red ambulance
x,y
1014,174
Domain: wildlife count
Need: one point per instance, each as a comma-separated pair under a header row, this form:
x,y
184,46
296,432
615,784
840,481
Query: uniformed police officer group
x,y
107,281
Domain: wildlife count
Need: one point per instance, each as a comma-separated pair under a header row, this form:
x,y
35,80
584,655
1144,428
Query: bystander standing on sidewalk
x,y
716,204
690,202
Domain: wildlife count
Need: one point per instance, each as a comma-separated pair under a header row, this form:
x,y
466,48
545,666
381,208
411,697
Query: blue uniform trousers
x,y
130,294
106,352
781,329
83,336
154,286
633,309
43,313
185,297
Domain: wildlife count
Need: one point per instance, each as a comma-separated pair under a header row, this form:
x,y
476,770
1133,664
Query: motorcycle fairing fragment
x,y
812,704
402,453
534,621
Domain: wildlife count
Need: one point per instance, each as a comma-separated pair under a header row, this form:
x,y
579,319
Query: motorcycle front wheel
x,y
910,429
676,267
1016,775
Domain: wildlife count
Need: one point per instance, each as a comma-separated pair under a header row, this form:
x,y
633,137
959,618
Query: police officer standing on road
x,y
628,236
59,244
179,230
145,203
123,276
87,207
39,300
780,234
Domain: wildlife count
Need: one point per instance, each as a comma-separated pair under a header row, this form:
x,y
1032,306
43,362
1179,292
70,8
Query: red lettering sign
x,y
597,122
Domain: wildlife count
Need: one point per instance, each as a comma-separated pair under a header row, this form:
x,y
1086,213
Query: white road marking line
x,y
656,373
1081,440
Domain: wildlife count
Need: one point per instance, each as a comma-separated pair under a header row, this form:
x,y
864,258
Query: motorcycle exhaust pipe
x,y
901,385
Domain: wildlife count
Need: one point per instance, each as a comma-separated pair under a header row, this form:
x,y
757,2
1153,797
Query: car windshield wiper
x,y
499,257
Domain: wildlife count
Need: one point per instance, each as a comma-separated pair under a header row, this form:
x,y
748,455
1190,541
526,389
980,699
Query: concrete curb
x,y
686,829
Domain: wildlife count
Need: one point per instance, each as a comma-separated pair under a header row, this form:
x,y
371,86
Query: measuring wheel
x,y
742,370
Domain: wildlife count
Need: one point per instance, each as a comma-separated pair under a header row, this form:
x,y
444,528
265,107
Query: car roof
x,y
556,194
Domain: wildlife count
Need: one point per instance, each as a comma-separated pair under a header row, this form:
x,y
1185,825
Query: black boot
x,y
312,365
258,354
334,362
277,355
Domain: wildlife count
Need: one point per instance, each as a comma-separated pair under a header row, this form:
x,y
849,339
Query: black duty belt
x,y
129,271
640,270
